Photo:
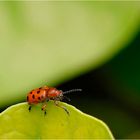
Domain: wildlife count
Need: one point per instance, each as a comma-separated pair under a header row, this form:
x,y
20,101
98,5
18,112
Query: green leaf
x,y
18,122
47,43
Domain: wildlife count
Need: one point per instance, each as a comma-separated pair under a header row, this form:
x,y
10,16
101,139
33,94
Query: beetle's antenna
x,y
66,98
72,90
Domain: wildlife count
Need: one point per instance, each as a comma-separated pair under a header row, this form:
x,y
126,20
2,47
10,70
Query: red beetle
x,y
44,94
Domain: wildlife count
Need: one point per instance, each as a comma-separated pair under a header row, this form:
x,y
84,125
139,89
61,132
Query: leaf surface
x,y
18,122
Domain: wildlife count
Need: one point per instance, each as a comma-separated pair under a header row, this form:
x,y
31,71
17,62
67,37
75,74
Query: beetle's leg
x,y
44,108
57,104
30,107
47,100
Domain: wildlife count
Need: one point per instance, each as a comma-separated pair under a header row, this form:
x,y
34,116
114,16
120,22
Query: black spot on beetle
x,y
38,98
38,91
31,92
33,96
27,98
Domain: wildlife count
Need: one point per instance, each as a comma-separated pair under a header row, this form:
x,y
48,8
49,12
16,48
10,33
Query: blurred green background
x,y
88,45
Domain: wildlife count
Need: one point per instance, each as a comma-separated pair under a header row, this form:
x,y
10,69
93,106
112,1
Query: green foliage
x,y
18,122
51,42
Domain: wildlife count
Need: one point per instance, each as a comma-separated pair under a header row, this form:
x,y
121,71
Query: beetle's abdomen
x,y
36,96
